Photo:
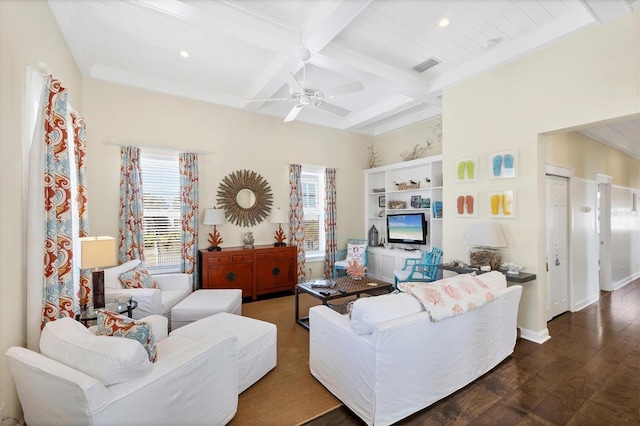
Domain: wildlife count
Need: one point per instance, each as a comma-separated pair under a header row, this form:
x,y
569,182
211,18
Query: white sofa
x,y
172,288
87,379
390,360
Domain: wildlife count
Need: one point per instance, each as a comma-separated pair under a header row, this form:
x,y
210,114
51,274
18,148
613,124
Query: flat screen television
x,y
409,228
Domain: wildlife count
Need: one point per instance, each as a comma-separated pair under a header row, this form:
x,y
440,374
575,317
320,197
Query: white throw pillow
x,y
367,312
108,359
356,252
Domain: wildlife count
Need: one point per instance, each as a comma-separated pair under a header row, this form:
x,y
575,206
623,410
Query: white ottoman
x,y
204,303
257,343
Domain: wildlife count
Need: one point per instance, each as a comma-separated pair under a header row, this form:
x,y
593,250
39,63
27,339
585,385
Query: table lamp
x,y
97,252
279,216
487,237
214,217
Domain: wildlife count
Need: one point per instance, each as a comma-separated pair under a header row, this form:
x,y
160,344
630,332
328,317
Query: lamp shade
x,y
486,234
214,217
279,216
97,252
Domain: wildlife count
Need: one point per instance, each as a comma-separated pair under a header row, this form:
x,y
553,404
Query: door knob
x,y
557,261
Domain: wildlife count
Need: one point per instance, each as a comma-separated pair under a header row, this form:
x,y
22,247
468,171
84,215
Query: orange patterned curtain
x,y
58,291
330,222
79,138
189,213
296,215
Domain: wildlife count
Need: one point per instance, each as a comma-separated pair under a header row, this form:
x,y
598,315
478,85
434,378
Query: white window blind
x,y
162,225
312,181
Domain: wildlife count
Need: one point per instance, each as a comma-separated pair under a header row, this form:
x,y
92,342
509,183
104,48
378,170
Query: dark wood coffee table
x,y
344,287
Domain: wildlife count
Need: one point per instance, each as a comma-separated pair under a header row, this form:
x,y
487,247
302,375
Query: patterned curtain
x,y
79,136
296,214
189,214
58,293
131,212
330,216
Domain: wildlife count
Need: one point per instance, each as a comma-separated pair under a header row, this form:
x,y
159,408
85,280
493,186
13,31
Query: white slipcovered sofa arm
x,y
179,390
174,282
149,300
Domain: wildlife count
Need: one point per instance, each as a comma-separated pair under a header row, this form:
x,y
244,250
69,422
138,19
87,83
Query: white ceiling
x,y
240,49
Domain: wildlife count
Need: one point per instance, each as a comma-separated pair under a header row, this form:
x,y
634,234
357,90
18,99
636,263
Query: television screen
x,y
410,228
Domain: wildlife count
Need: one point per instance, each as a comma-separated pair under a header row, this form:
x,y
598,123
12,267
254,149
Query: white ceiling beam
x,y
379,111
256,30
328,20
395,123
360,67
605,10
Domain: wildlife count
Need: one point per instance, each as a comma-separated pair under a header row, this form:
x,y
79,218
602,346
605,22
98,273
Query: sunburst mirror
x,y
246,197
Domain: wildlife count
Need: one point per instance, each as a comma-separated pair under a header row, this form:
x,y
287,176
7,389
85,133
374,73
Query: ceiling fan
x,y
306,93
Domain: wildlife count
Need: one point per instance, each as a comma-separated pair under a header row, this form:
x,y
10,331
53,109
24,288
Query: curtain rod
x,y
288,163
155,147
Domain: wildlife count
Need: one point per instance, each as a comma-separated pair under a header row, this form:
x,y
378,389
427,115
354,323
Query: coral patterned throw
x,y
111,324
451,296
137,277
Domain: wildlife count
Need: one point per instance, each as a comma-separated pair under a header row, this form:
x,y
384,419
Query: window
x,y
312,180
162,226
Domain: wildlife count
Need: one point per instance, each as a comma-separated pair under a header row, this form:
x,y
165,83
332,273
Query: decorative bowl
x,y
512,268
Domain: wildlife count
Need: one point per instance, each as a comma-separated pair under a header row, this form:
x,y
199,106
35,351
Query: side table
x,y
88,314
519,278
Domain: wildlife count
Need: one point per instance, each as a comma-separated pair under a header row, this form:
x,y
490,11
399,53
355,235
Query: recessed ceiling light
x,y
444,22
184,53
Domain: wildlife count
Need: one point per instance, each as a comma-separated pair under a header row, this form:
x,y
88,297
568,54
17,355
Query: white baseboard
x,y
625,281
535,336
585,302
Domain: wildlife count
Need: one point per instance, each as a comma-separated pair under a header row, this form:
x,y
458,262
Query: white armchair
x,y
172,288
87,379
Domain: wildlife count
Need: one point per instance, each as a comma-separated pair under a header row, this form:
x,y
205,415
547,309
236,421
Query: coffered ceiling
x,y
246,49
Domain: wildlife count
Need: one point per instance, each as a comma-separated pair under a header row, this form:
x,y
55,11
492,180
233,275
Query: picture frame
x,y
382,201
416,201
466,169
503,165
466,204
502,204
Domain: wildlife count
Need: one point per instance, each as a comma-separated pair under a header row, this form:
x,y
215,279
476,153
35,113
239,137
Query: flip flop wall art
x,y
466,169
503,164
502,204
466,205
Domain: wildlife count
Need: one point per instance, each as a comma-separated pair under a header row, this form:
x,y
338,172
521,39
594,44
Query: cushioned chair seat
x,y
204,303
257,348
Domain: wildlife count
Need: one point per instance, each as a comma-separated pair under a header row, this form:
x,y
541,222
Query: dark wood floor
x,y
588,373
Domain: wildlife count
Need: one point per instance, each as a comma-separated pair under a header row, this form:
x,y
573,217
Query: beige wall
x,y
28,34
390,145
233,139
588,157
588,78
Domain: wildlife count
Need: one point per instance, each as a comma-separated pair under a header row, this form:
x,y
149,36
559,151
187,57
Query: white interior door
x,y
557,246
604,236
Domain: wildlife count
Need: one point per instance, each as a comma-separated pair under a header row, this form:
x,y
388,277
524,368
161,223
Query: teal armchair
x,y
341,262
423,269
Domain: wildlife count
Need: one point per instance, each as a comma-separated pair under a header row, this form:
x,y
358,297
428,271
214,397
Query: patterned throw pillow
x,y
138,277
356,252
111,324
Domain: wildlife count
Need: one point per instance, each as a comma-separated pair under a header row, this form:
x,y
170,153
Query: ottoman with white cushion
x,y
257,343
204,303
